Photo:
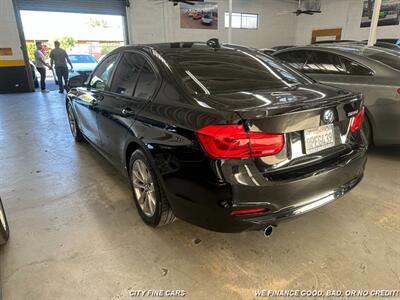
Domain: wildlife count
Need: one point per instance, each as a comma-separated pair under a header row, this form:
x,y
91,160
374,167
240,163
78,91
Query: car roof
x,y
355,51
177,46
352,50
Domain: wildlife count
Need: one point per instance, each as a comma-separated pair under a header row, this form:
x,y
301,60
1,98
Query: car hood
x,y
275,101
84,67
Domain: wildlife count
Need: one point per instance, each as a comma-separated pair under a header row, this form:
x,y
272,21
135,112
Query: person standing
x,y
40,62
59,59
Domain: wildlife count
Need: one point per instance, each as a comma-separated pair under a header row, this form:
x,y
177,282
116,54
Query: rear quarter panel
x,y
166,129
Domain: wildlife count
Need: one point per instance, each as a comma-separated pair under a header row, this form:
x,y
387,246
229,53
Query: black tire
x,y
367,130
163,214
76,132
4,229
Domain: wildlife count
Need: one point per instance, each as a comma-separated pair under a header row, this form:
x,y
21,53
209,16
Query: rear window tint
x,y
209,71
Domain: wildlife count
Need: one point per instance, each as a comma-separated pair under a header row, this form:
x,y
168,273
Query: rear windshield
x,y
212,71
82,59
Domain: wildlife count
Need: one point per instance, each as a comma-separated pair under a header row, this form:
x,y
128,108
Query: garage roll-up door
x,y
108,7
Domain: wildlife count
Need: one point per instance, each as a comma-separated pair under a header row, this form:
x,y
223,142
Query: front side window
x,y
320,62
102,75
146,84
126,74
296,59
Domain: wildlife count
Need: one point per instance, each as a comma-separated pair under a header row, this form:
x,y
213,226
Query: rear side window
x,y
101,77
323,63
354,68
147,83
296,59
126,74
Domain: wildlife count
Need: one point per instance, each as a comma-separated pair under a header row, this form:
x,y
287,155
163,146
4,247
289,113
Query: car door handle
x,y
127,112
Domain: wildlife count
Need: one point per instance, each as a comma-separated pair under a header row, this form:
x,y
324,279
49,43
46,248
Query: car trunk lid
x,y
315,120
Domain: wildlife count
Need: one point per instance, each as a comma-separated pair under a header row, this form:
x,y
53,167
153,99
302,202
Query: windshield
x,y
212,71
82,59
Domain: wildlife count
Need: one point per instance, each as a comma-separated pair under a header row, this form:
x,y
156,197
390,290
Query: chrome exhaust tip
x,y
268,231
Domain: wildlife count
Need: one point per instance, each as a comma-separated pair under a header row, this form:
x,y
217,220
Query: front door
x,y
90,97
132,82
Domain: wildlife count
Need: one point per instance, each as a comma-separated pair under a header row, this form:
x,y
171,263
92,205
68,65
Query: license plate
x,y
320,138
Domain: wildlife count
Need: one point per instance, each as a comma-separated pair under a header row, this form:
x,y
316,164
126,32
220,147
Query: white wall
x,y
345,14
9,37
152,21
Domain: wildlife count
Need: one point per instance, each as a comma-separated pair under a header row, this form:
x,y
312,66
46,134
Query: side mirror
x,y
76,81
99,85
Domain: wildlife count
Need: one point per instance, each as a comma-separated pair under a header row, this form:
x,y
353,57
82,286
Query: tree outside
x,y
107,48
67,43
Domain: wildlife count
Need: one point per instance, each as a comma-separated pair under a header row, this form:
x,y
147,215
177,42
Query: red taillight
x,y
232,141
248,211
264,144
398,91
358,120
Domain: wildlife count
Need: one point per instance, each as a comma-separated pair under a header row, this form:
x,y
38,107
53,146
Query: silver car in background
x,y
372,71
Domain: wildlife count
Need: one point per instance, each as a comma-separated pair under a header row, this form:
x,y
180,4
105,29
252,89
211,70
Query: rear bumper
x,y
209,206
261,222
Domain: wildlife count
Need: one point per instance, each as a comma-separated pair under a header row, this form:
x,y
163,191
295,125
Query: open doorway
x,y
87,38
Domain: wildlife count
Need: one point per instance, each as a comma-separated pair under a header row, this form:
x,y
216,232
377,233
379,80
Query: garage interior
x,y
74,229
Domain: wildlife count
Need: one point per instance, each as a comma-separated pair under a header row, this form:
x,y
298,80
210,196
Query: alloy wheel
x,y
143,186
72,121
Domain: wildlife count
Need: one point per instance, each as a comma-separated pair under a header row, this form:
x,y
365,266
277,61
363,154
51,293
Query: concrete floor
x,y
76,235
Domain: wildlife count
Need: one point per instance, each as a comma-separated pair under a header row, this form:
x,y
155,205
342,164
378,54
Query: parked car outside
x,y
83,64
222,137
207,20
4,229
372,71
197,16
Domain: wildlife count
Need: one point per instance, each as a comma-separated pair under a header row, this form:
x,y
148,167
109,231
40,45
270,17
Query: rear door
x,y
87,102
133,85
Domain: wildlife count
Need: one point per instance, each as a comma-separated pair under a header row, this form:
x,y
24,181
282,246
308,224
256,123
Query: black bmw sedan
x,y
220,136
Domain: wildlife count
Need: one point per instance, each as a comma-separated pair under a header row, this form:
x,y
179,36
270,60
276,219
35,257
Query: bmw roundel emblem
x,y
328,117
